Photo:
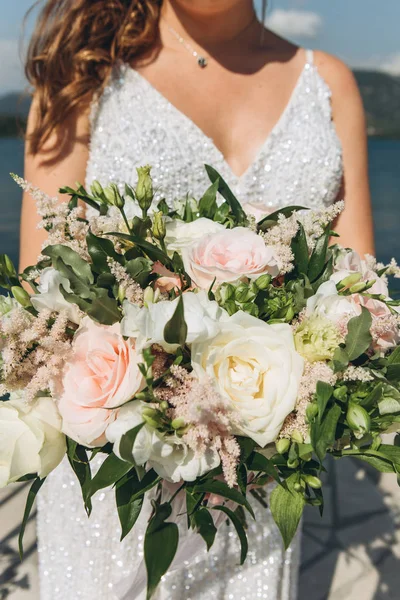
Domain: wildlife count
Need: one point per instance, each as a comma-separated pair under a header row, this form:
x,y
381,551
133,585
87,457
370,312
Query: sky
x,y
363,33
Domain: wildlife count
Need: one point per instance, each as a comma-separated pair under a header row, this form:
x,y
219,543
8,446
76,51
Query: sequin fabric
x,y
301,163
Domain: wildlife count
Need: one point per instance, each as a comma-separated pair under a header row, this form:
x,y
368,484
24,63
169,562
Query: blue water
x,y
385,185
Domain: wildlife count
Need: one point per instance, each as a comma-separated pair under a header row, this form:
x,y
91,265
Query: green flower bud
x,y
144,188
243,293
358,420
10,269
97,189
293,464
358,287
311,412
121,294
178,423
7,304
158,229
152,421
350,280
113,196
297,437
21,296
282,445
341,393
148,296
263,282
226,292
313,482
164,405
298,487
183,430
150,412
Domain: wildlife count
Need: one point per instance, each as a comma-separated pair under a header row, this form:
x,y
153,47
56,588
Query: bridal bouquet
x,y
203,353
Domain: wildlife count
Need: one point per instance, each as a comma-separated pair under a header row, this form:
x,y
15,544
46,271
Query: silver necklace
x,y
202,61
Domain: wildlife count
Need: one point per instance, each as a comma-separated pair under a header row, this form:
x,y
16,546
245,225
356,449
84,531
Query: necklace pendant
x,y
202,62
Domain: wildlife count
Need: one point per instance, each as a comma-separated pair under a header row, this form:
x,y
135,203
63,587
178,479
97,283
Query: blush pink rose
x,y
351,263
167,281
101,375
385,325
227,256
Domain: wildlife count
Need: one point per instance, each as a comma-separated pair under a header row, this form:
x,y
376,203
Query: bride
x,y
176,84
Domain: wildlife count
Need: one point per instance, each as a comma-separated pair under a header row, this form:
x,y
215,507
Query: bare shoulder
x,y
337,75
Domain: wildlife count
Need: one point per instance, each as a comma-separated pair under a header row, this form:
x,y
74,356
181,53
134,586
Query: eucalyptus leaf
x,y
160,546
287,506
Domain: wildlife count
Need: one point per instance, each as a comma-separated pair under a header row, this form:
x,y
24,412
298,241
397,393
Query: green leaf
x,y
247,446
104,309
69,257
325,276
324,394
175,331
139,269
208,203
127,442
78,285
258,462
152,251
287,506
239,530
129,506
300,250
80,464
99,250
393,372
111,470
340,359
213,486
160,546
150,480
394,358
272,219
373,398
359,338
37,484
323,435
392,453
318,257
204,525
227,193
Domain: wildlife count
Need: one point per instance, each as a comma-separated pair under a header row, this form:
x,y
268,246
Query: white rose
x,y
147,324
349,263
31,441
50,297
180,235
227,256
331,305
255,366
168,455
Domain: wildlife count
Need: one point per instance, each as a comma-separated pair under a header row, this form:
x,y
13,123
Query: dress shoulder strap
x,y
310,57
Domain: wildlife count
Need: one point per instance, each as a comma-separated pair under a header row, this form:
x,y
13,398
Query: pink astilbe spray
x,y
34,350
64,225
210,417
130,289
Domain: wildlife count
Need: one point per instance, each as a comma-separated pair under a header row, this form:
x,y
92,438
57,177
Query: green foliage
x,y
236,208
175,331
36,485
287,504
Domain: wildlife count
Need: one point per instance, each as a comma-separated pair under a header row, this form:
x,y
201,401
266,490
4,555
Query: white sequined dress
x,y
299,163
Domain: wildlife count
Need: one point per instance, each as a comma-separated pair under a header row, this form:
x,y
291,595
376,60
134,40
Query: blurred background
x,y
353,552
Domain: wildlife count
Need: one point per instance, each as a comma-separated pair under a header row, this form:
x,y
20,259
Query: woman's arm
x,y
57,164
355,224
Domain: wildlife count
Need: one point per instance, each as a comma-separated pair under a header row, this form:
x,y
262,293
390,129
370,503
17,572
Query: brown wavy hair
x,y
73,49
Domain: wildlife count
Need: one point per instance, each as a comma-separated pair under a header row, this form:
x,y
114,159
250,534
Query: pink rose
x,y
385,325
167,280
102,374
227,256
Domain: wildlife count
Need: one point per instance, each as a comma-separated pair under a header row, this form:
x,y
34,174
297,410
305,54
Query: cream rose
x,y
168,455
329,304
101,375
31,441
255,366
227,256
180,235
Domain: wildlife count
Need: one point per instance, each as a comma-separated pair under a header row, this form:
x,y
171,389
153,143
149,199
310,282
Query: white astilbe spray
x,y
34,350
130,289
315,221
210,418
357,374
296,421
64,225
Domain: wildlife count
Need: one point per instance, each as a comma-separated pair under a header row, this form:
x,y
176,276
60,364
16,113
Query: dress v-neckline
x,y
190,123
